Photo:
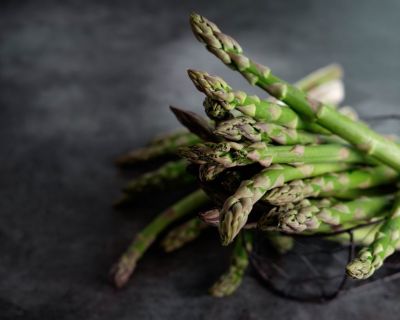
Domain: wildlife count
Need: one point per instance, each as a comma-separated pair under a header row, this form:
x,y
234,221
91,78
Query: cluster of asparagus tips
x,y
318,166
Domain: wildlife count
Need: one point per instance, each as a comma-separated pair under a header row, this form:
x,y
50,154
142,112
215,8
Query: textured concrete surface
x,y
82,81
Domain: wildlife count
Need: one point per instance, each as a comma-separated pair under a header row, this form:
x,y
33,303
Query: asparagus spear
x,y
386,240
195,123
312,216
125,266
319,77
221,98
237,207
232,154
331,184
324,84
248,129
171,173
182,234
163,147
228,283
271,220
356,133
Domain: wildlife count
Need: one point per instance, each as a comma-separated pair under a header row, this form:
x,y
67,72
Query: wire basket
x,y
314,269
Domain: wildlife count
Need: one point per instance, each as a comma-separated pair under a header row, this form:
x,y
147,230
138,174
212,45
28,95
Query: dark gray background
x,y
82,81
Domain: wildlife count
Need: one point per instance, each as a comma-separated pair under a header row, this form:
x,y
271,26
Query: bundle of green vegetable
x,y
293,162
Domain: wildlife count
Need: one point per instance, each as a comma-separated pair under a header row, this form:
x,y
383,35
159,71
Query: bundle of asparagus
x,y
308,165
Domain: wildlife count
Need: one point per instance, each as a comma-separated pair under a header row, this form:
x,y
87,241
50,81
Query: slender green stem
x,y
125,266
228,283
320,76
183,234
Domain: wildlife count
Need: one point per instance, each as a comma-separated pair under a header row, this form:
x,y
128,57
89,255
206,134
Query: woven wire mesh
x,y
314,269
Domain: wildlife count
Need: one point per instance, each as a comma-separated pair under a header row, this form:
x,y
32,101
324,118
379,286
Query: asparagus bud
x,y
125,266
386,240
183,234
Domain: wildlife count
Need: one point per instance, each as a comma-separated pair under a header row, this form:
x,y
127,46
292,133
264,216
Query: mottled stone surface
x,y
82,81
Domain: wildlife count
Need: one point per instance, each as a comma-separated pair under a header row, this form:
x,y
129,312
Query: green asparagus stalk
x,y
228,283
232,154
360,236
248,129
308,216
221,98
182,234
163,147
237,208
171,173
356,133
196,124
386,240
319,77
324,84
331,184
125,266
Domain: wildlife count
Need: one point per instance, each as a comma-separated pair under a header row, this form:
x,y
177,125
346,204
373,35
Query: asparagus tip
x,y
120,273
359,269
